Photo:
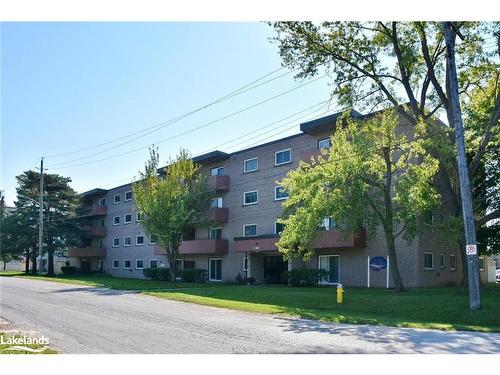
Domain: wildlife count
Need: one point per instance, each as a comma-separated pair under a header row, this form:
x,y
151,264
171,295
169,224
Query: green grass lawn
x,y
4,346
436,308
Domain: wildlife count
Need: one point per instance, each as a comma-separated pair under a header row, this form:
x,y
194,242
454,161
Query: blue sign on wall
x,y
378,263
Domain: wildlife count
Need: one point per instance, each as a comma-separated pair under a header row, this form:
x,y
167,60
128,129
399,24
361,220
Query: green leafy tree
x,y
375,64
60,202
171,201
371,175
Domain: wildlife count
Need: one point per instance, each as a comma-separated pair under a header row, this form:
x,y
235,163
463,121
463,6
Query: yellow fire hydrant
x,y
340,293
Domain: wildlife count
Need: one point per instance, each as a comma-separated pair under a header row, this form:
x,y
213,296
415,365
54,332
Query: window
x,y
139,264
127,241
481,263
116,263
189,264
215,269
139,240
127,219
116,220
116,242
153,239
153,263
178,264
280,193
327,224
428,261
102,202
278,227
100,244
128,196
215,233
245,264
217,171
138,217
453,262
283,157
442,261
250,165
324,143
116,199
216,202
331,264
126,264
249,230
250,197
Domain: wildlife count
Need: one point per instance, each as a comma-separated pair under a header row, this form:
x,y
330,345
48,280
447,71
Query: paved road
x,y
81,319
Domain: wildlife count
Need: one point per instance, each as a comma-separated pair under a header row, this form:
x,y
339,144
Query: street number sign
x,y
471,249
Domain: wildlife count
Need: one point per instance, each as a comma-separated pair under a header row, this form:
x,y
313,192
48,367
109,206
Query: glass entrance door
x,y
215,269
330,263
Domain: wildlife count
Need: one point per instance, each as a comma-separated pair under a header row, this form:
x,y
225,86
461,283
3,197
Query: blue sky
x,y
67,86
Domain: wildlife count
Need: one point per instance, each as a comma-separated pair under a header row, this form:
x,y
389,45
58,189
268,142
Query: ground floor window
x,y
442,261
126,264
481,263
428,261
116,263
189,264
245,264
153,263
331,264
453,262
100,265
139,264
215,269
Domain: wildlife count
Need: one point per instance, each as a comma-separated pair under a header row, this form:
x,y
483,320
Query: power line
x,y
193,129
230,95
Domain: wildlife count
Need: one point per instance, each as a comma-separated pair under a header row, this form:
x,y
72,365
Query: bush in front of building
x,y
194,275
159,274
303,277
68,270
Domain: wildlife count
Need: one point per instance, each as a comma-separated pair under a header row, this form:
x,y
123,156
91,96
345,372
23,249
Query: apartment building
x,y
248,203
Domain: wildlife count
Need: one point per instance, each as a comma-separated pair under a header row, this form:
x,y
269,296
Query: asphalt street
x,y
79,319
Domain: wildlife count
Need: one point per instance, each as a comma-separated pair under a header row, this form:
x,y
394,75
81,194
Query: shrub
x,y
68,270
242,280
303,277
194,275
160,274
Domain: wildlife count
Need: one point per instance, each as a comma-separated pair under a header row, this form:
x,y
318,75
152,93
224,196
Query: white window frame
x,y
219,199
137,217
280,151
119,198
151,239
245,165
479,263
102,202
442,257
276,187
136,240
139,268
321,282
113,245
125,198
244,197
153,260
453,267
433,261
127,260
216,168
245,264
214,228
119,219
275,231
210,268
252,235
113,264
125,219
125,242
323,140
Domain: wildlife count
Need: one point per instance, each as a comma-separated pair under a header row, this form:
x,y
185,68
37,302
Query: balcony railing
x,y
95,231
87,252
199,247
307,155
94,211
219,183
218,214
325,239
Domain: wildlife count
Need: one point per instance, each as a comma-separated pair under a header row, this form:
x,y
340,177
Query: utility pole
x,y
40,225
465,191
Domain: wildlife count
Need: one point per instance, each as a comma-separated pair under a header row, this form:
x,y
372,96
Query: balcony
x,y
219,183
218,214
94,231
216,247
87,252
306,155
325,239
88,211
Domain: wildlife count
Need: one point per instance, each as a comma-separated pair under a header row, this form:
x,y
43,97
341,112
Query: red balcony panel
x,y
256,244
219,183
94,231
334,238
307,155
218,214
198,247
87,252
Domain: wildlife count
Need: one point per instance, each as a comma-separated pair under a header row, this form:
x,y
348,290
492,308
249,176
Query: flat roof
x,y
325,123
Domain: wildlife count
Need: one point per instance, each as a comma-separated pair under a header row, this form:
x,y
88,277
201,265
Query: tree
x,y
172,201
378,63
60,202
371,175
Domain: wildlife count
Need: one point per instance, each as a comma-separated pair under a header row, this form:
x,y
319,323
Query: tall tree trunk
x,y
172,259
50,262
27,262
33,264
4,265
391,249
